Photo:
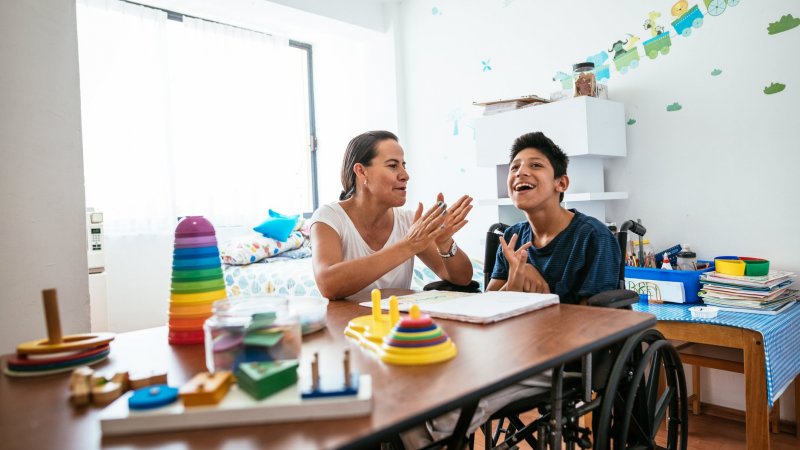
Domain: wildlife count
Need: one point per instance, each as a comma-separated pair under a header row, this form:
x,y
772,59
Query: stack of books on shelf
x,y
503,105
768,294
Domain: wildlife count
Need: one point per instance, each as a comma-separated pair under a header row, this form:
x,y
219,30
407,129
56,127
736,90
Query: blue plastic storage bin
x,y
689,278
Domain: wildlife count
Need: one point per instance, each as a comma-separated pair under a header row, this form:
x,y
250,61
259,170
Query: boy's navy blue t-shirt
x,y
581,261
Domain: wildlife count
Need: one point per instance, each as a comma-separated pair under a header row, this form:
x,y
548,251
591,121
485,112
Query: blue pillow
x,y
281,216
278,228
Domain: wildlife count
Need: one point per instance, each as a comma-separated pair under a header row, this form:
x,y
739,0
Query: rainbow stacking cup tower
x,y
196,280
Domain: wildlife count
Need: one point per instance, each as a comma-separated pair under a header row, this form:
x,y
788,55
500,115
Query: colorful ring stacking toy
x,y
196,280
57,353
416,339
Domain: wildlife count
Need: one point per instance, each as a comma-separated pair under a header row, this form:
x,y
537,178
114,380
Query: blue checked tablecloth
x,y
781,334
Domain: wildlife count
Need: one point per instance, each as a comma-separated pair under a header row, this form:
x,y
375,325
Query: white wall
x,y
42,232
721,173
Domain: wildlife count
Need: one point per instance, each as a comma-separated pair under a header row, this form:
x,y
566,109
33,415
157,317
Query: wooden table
x,y
35,414
750,342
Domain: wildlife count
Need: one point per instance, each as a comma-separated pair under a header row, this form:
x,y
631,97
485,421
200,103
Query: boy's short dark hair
x,y
558,159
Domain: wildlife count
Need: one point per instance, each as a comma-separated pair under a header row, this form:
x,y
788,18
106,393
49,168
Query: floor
x,y
708,433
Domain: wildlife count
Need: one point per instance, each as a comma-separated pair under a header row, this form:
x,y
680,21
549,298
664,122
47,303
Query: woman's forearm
x,y
348,277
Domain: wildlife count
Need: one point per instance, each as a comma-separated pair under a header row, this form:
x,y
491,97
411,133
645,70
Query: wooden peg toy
x,y
80,387
140,379
105,391
55,341
66,352
315,372
206,388
332,386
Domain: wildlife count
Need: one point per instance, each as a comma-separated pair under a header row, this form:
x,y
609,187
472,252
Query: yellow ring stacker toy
x,y
55,342
63,353
411,340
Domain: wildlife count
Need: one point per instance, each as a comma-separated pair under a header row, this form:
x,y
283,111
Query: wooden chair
x,y
731,360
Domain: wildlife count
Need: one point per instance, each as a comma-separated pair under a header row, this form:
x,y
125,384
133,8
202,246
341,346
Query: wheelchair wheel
x,y
632,411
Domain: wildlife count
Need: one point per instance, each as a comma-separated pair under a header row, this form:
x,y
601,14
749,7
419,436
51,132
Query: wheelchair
x,y
630,389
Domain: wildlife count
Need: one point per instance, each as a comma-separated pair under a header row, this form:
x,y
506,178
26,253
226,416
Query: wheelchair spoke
x,y
661,409
652,382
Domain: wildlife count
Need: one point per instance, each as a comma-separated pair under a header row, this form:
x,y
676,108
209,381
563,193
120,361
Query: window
x,y
185,116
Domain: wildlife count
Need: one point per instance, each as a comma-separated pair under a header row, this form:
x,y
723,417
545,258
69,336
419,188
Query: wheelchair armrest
x,y
618,298
444,285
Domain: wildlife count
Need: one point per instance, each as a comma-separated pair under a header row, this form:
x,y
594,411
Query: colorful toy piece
x,y
262,379
413,340
206,388
67,352
152,397
332,386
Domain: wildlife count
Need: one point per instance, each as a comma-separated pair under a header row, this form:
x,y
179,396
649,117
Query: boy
x,y
557,250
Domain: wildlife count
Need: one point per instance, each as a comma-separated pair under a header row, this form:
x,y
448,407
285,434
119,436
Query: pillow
x,y
278,228
255,247
300,219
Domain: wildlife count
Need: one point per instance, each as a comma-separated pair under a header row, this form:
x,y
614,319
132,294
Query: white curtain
x,y
189,118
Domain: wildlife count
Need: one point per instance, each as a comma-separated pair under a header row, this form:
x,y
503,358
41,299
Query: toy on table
x,y
57,353
206,388
152,397
262,379
412,340
196,280
329,385
254,329
140,379
87,386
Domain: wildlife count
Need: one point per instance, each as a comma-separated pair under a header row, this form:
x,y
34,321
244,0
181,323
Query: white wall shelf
x,y
587,129
568,198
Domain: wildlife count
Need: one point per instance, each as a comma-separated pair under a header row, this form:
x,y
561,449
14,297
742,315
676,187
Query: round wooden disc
x,y
71,342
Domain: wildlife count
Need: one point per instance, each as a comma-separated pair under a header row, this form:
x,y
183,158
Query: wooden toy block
x,y
332,386
262,379
139,380
80,386
105,391
206,388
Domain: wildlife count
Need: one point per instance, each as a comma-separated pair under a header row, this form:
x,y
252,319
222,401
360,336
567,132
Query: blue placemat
x,y
781,334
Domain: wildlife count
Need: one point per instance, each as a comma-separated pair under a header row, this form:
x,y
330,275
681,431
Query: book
x,y
782,309
487,307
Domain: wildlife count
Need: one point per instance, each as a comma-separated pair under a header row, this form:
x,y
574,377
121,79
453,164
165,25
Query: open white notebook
x,y
487,307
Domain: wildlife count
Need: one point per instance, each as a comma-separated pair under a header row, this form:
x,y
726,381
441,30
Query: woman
x,y
366,240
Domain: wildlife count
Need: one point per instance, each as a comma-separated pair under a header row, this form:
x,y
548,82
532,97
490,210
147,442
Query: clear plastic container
x,y
251,329
312,311
584,80
687,259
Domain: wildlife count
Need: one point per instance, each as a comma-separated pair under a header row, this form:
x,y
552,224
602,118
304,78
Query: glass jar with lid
x,y
251,329
584,80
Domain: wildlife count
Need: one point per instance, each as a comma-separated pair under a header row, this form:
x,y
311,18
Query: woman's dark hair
x,y
537,140
360,150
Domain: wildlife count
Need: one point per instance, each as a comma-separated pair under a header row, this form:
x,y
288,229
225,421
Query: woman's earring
x,y
365,181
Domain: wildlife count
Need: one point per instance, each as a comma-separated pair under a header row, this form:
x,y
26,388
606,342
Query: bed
x,y
290,273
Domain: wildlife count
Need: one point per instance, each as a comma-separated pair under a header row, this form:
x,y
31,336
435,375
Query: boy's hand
x,y
517,260
522,276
